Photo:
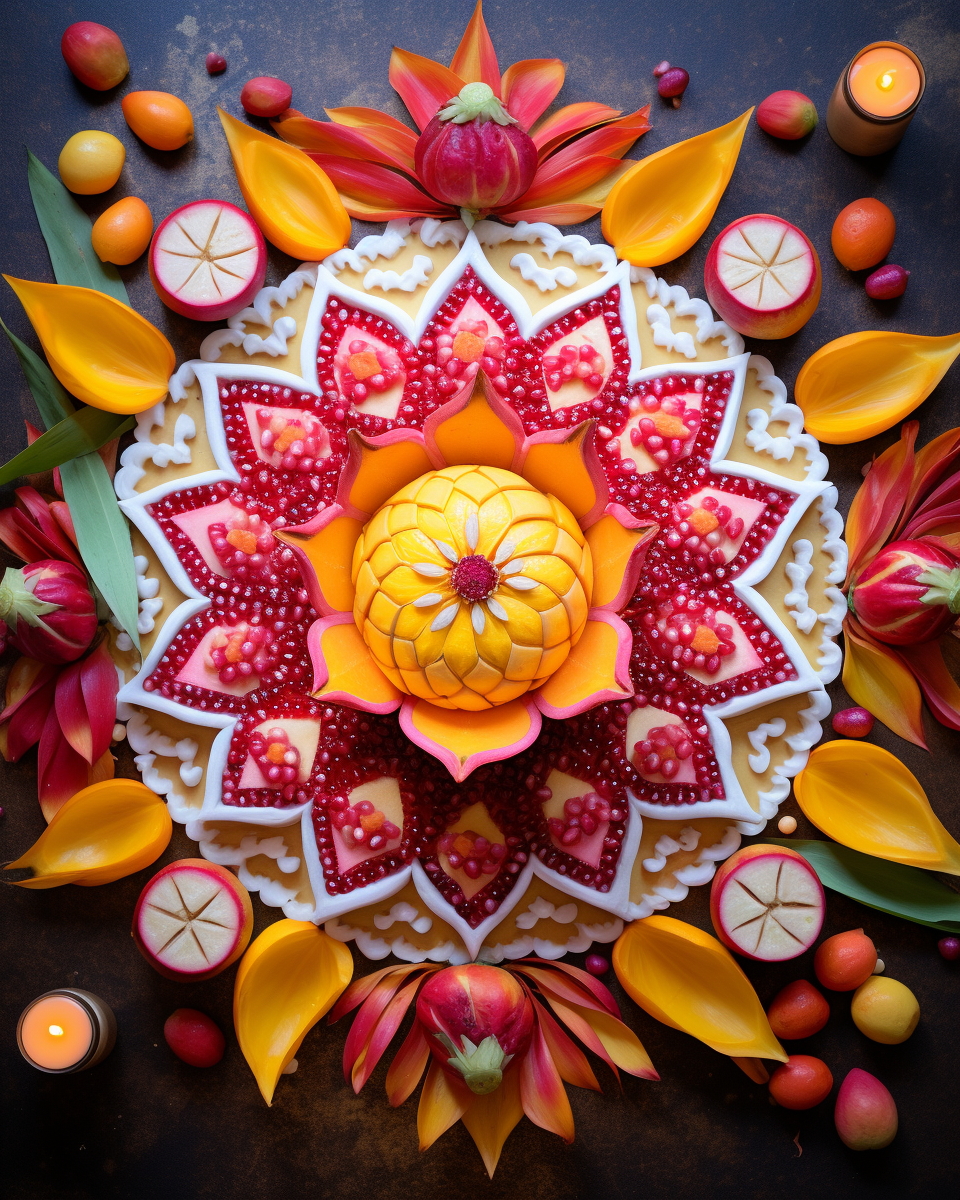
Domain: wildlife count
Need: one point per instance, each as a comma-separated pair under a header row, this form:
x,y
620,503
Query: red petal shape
x,y
568,121
584,979
387,1026
27,722
99,683
936,682
613,139
358,991
935,522
555,986
63,517
408,1065
26,676
61,771
530,87
541,1089
576,1023
379,146
370,1012
374,185
556,214
47,532
553,184
570,1060
367,119
72,712
878,503
930,464
422,84
16,533
879,680
476,60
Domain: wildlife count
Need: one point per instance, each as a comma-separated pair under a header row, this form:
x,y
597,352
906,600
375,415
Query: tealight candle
x,y
875,98
66,1031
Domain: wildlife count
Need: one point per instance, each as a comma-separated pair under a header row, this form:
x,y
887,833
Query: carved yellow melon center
x,y
471,586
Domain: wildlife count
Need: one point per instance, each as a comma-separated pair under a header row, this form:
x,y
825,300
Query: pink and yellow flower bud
x,y
908,593
49,610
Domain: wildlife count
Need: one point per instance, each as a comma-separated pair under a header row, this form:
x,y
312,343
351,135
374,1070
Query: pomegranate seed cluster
x,y
289,447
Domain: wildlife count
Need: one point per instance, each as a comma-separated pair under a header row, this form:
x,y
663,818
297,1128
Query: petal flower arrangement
x,y
471,596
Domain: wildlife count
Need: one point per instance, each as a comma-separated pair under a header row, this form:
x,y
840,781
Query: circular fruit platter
x,y
483,631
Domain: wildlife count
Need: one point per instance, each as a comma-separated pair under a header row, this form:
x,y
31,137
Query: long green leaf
x,y
82,432
908,892
52,400
102,532
66,230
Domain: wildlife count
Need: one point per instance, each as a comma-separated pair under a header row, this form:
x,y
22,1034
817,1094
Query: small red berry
x,y
887,282
949,947
853,722
673,84
596,964
216,63
194,1037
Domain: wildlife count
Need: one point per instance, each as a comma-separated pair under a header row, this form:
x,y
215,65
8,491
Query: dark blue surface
x,y
144,1125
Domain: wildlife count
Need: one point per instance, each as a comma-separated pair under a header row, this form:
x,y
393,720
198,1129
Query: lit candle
x,y
875,98
66,1031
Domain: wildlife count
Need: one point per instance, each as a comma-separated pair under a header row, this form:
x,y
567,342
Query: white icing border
x,y
708,327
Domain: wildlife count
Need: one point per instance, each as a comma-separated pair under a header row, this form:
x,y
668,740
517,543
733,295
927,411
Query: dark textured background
x,y
144,1125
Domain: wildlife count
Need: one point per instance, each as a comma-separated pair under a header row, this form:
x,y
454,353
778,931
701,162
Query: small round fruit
x,y
949,948
91,161
865,1115
194,1037
853,722
161,120
94,54
787,825
216,63
798,1011
801,1082
266,96
887,282
762,275
122,233
596,964
845,960
766,903
787,115
673,83
208,260
885,1010
863,234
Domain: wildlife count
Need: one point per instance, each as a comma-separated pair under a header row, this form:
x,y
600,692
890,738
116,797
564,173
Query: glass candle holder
x,y
875,98
65,1031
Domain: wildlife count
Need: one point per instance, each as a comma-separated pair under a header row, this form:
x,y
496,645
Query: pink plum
x,y
94,54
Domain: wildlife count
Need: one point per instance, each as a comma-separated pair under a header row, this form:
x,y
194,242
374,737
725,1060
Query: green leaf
x,y
52,400
102,532
66,230
83,432
908,892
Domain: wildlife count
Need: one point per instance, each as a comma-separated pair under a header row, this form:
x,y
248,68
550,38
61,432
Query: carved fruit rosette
x,y
488,592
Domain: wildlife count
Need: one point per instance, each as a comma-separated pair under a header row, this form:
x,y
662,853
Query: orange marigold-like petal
x,y
476,428
565,463
530,87
596,671
345,671
422,84
463,745
878,680
476,60
618,544
324,550
567,122
378,467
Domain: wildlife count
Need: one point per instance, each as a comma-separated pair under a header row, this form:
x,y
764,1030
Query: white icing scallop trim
x,y
149,745
583,252
830,654
797,600
151,603
687,839
541,909
162,454
376,948
546,278
432,232
759,761
782,446
282,329
413,277
376,245
692,875
403,913
273,892
658,318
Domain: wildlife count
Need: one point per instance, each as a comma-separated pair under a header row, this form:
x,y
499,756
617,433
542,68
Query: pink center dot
x,y
474,578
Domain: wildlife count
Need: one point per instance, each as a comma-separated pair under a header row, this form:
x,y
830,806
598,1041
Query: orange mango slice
x,y
287,980
103,833
861,384
102,351
288,195
865,798
689,981
663,205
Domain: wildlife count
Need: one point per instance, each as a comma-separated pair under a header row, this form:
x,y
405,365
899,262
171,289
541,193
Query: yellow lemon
x,y
91,162
885,1010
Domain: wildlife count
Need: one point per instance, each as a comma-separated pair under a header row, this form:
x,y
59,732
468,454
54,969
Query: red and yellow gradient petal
x,y
442,1103
878,680
476,60
529,88
461,745
345,671
324,550
567,122
367,187
596,671
370,145
618,543
422,84
492,1118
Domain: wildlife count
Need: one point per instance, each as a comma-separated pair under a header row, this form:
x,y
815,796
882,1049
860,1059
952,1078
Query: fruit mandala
x,y
488,593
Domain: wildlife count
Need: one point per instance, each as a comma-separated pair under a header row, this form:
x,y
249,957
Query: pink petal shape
x,y
939,687
567,122
99,683
571,688
541,1089
376,185
27,720
24,678
422,84
476,60
461,764
369,119
556,214
613,139
324,137
553,184
930,465
344,671
565,462
877,506
61,771
323,547
570,1060
377,467
476,423
622,560
382,1035
582,978
530,87
408,1065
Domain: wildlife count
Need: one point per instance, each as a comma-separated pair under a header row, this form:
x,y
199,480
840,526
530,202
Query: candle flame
x,y
55,1030
886,81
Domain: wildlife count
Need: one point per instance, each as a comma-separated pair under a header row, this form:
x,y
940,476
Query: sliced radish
x,y
208,260
767,903
762,275
193,919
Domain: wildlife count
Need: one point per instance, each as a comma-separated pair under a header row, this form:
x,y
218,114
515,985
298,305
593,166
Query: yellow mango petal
x,y
345,670
442,1104
104,832
861,384
288,195
287,980
877,679
463,745
492,1118
326,558
617,552
689,981
865,798
570,470
597,670
377,469
662,206
479,428
102,351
